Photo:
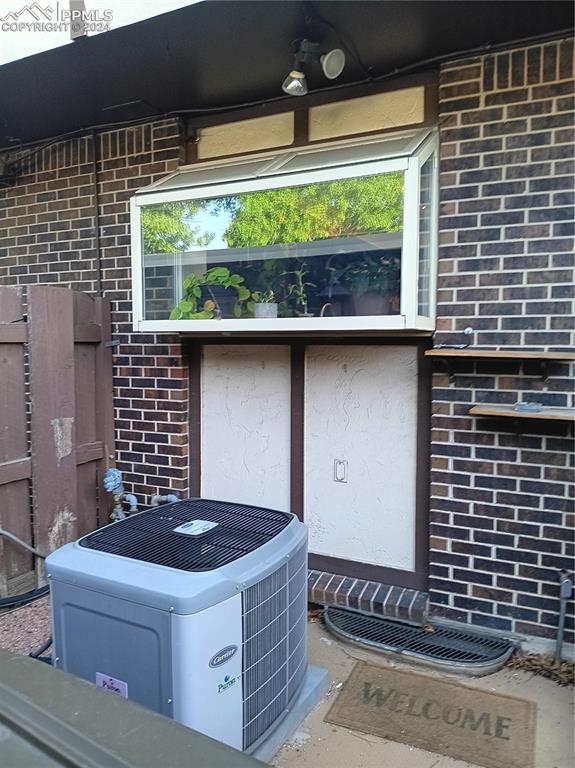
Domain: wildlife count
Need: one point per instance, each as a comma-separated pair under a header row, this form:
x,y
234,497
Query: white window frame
x,y
429,149
407,320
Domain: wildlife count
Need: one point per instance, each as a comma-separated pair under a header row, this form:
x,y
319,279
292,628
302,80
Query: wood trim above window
x,y
301,108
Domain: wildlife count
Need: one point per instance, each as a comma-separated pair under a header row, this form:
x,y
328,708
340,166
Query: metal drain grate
x,y
445,647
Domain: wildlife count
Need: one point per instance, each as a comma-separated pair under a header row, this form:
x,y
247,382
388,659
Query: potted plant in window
x,y
373,282
206,286
298,290
265,305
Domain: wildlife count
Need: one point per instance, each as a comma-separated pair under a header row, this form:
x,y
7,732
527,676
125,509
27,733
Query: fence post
x,y
52,419
15,563
104,375
105,401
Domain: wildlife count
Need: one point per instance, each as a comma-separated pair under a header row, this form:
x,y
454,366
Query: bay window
x,y
335,239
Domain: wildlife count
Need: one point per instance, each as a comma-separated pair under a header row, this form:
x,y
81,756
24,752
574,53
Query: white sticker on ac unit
x,y
112,684
195,527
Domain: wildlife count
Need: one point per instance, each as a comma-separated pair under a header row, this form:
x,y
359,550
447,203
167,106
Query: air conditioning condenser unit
x,y
197,610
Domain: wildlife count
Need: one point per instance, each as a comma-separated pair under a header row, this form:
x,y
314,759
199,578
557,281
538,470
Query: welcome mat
x,y
484,728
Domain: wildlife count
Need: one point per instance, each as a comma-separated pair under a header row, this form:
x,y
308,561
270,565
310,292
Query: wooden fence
x,y
56,423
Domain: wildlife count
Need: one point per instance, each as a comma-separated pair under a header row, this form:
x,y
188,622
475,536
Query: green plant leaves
x,y
243,293
340,208
169,227
216,276
191,281
187,309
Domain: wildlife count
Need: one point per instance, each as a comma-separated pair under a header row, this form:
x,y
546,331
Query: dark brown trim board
x,y
377,573
423,463
300,127
297,429
416,579
194,355
427,79
274,339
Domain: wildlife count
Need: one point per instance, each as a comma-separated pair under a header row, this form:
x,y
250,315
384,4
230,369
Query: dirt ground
x,y
317,744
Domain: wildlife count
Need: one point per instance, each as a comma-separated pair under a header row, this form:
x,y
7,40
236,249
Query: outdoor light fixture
x,y
295,84
332,64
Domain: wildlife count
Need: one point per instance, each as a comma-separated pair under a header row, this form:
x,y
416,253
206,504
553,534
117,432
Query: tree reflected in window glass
x,y
325,249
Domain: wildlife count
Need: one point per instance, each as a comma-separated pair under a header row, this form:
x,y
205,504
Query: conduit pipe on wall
x,y
565,589
96,214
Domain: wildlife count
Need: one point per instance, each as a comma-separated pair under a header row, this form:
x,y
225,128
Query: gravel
x,y
24,629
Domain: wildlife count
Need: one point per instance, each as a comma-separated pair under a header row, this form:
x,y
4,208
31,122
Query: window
x,y
316,240
426,236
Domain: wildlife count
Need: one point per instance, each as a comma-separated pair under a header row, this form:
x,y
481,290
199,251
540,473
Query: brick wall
x,y
159,292
47,235
502,492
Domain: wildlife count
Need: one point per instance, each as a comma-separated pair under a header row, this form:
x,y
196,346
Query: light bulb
x,y
332,63
295,84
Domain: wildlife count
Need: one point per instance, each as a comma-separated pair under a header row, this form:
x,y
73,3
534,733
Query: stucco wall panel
x,y
361,407
246,425
246,136
367,114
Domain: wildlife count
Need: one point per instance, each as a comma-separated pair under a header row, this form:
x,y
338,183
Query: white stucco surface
x,y
368,113
361,408
246,424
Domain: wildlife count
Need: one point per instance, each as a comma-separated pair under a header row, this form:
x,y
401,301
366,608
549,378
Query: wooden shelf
x,y
500,354
550,414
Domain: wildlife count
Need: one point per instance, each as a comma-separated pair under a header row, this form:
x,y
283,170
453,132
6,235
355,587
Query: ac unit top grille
x,y
214,533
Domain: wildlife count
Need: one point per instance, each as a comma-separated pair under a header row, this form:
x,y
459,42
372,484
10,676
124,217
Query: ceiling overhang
x,y
212,56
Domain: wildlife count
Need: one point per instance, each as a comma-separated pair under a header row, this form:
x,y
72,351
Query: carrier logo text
x,y
221,657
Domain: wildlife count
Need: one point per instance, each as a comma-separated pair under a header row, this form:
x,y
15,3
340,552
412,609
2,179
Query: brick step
x,y
393,602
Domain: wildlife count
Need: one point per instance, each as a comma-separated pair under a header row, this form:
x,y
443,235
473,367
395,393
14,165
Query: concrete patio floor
x,y
317,744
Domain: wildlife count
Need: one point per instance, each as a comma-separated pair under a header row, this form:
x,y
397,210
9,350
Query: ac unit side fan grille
x,y
150,536
274,635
